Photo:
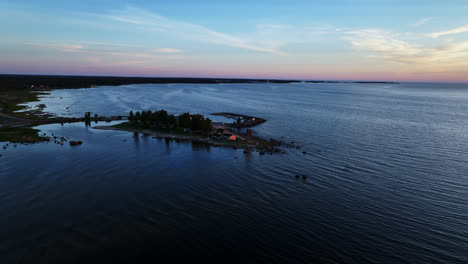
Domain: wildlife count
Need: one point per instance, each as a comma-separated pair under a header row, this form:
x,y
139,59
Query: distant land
x,y
36,82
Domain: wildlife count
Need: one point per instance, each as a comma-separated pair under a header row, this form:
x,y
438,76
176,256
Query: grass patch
x,y
20,135
10,100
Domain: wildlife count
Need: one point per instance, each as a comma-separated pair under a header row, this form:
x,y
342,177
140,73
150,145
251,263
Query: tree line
x,y
162,120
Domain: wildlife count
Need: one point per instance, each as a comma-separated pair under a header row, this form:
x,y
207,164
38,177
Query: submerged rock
x,y
75,143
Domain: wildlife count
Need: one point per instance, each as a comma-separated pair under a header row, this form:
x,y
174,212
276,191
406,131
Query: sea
x,y
386,168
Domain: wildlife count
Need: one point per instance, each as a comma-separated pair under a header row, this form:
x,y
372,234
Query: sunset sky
x,y
344,40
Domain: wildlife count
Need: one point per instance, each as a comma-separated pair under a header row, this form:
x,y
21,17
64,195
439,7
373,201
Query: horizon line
x,y
236,78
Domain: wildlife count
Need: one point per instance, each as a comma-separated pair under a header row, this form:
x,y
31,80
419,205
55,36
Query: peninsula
x,y
197,128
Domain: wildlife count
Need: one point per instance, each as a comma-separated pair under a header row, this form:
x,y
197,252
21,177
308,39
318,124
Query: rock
x,y
303,152
304,176
298,176
75,143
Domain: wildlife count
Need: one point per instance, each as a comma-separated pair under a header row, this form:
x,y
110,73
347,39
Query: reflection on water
x,y
386,167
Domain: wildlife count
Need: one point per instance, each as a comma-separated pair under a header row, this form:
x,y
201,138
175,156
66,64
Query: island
x,y
198,129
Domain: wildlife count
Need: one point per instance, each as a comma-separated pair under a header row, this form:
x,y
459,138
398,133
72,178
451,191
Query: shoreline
x,y
20,81
254,143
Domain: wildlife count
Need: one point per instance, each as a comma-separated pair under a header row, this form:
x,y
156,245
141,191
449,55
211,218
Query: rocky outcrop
x,y
75,143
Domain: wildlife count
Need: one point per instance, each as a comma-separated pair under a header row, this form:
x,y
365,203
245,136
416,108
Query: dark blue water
x,y
386,164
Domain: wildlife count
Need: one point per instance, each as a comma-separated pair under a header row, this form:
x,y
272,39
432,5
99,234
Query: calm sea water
x,y
387,182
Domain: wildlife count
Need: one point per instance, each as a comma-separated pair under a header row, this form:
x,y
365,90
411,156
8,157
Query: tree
x,y
136,118
197,122
172,121
87,118
207,126
162,116
185,120
130,116
150,116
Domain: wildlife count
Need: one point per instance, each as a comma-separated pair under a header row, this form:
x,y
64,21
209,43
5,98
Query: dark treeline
x,y
56,81
162,120
361,82
88,118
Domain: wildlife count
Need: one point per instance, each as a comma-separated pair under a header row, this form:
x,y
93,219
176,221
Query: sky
x,y
371,40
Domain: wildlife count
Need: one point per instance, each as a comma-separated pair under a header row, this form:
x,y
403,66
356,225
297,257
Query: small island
x,y
198,129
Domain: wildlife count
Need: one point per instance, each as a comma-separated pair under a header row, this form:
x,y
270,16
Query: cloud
x,y
98,54
387,46
167,50
449,32
152,22
383,42
422,21
107,44
59,47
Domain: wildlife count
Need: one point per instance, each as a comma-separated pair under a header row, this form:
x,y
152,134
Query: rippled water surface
x,y
387,168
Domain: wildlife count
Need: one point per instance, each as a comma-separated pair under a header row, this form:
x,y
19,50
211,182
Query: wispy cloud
x,y
167,50
422,21
384,42
106,44
99,54
389,47
153,22
457,30
59,47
